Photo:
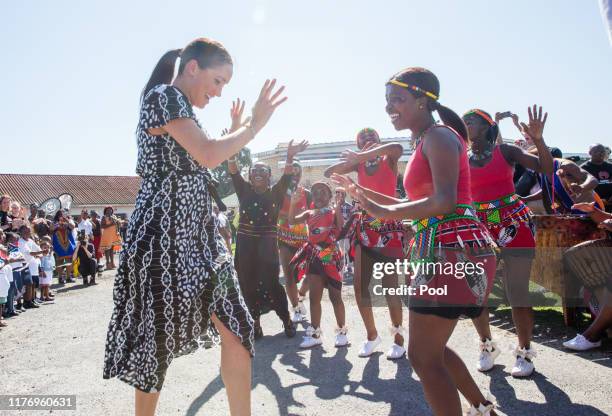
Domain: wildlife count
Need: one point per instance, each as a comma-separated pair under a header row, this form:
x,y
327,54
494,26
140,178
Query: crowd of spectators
x,y
36,248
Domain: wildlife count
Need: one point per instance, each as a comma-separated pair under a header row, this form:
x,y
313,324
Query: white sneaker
x,y
312,338
580,343
488,353
523,367
368,347
297,316
483,409
341,338
395,352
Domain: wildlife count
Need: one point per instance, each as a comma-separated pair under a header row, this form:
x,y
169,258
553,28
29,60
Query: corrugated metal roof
x,y
85,189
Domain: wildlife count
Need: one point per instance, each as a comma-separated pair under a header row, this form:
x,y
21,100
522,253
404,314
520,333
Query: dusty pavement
x,y
59,348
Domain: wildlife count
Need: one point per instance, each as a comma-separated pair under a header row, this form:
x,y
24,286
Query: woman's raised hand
x,y
535,128
265,105
294,149
236,115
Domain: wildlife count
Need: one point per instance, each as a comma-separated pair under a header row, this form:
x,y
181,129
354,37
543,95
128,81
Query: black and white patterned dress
x,y
175,271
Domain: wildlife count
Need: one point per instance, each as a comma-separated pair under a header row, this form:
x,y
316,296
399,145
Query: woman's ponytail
x,y
163,71
452,119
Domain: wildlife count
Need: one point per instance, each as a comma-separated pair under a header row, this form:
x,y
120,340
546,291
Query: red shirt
x,y
419,183
383,181
494,180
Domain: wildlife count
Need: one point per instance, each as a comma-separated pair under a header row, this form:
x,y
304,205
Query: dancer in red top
x,y
320,259
375,239
447,233
509,222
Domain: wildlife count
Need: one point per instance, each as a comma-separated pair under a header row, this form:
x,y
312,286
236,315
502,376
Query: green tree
x,y
221,172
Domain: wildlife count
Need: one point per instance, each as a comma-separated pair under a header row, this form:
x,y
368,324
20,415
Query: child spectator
x,y
21,273
47,263
31,253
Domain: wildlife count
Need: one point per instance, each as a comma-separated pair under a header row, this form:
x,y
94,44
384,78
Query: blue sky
x,y
73,71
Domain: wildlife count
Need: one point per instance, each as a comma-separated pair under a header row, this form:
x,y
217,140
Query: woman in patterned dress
x,y
176,286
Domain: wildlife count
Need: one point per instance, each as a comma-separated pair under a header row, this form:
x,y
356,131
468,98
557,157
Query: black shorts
x,y
449,312
36,281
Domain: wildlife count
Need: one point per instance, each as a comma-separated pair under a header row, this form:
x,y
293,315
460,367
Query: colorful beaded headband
x,y
414,88
367,132
481,114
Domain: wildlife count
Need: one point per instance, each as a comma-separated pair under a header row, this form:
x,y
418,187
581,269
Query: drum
x,y
554,235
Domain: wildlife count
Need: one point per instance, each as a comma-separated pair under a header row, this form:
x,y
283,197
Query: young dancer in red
x,y
375,240
320,259
509,222
448,233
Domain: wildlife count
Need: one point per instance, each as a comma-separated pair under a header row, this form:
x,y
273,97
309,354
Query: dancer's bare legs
x,y
360,283
286,255
442,372
363,274
517,272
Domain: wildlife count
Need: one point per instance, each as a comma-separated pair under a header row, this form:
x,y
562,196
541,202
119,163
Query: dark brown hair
x,y
206,52
426,80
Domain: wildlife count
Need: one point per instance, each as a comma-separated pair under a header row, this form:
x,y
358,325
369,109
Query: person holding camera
x,y
85,251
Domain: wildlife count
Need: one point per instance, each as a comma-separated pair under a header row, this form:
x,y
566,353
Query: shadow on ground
x,y
329,376
550,331
556,401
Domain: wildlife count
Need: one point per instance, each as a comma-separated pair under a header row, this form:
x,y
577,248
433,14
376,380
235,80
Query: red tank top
x,y
302,204
321,227
383,181
494,180
418,181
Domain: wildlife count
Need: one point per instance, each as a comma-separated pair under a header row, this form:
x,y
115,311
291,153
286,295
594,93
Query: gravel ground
x,y
59,349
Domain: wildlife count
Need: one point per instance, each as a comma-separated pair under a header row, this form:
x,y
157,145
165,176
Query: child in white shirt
x,y
47,264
